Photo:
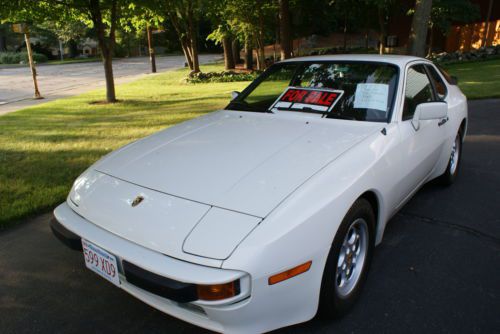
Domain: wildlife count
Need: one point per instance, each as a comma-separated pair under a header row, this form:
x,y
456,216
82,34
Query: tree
x,y
101,15
227,44
285,28
184,16
142,17
219,16
65,32
382,8
419,27
250,20
104,15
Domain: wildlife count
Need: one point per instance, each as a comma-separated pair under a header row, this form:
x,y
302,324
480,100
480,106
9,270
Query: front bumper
x,y
69,227
258,308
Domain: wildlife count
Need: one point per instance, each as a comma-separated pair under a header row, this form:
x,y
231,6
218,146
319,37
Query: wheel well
x,y
373,200
463,127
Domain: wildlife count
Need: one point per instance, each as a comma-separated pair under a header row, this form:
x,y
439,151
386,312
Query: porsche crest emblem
x,y
138,200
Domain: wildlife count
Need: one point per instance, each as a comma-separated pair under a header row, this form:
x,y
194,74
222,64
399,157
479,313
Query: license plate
x,y
101,262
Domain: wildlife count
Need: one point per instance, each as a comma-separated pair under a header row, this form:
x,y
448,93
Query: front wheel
x,y
449,176
348,261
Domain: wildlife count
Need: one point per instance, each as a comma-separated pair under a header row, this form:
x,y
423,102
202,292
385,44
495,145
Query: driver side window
x,y
418,90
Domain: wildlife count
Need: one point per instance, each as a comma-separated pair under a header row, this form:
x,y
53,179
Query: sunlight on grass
x,y
478,80
44,148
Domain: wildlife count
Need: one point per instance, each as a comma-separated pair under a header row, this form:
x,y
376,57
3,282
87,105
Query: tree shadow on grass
x,y
35,181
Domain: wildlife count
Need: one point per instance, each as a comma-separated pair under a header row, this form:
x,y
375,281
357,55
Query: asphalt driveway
x,y
437,270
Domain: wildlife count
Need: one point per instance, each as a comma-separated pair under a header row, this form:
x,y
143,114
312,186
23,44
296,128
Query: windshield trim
x,y
300,63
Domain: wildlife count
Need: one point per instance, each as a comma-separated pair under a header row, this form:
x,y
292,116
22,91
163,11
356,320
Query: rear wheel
x,y
348,261
449,176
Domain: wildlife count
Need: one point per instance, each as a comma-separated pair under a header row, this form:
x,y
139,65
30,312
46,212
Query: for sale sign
x,y
317,99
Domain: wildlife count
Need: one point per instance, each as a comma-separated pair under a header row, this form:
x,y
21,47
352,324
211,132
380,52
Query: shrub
x,y
224,76
18,57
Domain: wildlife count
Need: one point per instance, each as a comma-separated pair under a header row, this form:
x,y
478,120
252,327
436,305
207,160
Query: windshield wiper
x,y
325,114
305,109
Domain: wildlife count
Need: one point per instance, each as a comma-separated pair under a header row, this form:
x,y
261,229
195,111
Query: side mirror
x,y
454,80
234,95
429,110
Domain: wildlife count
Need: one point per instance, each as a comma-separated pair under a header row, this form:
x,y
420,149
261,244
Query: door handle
x,y
442,121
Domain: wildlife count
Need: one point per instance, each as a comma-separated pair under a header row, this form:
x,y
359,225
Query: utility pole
x,y
32,63
151,50
22,28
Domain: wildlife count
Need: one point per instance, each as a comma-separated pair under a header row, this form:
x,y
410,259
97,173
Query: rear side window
x,y
446,75
438,83
418,90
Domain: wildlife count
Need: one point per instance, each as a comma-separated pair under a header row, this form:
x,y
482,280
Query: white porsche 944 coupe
x,y
266,213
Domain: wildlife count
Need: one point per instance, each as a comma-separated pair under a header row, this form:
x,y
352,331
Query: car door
x,y
419,148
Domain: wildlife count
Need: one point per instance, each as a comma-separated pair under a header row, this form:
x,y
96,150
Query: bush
x,y
224,76
18,57
483,53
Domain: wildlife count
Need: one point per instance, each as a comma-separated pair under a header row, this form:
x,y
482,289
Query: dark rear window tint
x,y
445,74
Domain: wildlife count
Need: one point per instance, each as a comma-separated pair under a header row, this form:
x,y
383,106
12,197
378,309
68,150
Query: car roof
x,y
399,60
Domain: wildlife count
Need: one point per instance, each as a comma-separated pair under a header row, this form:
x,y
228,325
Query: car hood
x,y
241,161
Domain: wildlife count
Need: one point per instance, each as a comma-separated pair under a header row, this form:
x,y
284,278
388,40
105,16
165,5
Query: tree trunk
x,y
248,55
488,18
235,48
419,27
228,53
285,30
431,39
3,43
345,32
196,60
261,55
183,39
152,58
193,39
110,83
383,30
187,52
260,39
106,48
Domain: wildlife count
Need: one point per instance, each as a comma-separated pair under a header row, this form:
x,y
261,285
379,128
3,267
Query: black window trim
x,y
434,98
301,63
429,75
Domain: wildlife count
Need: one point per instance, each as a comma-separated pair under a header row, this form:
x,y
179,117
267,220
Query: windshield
x,y
362,91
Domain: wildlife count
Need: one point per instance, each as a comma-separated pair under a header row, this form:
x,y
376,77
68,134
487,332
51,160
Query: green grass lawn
x,y
44,148
478,80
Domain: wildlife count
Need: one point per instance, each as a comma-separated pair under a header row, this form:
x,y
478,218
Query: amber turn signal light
x,y
218,291
289,273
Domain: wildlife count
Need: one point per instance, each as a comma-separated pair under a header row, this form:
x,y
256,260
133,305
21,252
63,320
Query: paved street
x,y
437,270
56,81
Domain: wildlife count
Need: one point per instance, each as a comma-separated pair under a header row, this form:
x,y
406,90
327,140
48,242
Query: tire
x,y
341,288
451,173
